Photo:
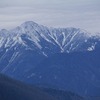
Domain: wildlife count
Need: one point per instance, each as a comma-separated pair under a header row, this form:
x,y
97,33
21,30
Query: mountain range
x,y
59,58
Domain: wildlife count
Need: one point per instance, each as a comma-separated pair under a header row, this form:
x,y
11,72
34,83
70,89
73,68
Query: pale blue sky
x,y
83,14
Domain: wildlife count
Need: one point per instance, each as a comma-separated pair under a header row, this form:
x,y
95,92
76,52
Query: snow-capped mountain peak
x,y
29,23
4,33
33,52
46,39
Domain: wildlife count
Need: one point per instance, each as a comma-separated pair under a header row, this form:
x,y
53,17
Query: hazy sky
x,y
83,14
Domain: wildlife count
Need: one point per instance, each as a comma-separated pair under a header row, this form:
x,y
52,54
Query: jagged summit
x,y
62,39
39,40
4,32
29,24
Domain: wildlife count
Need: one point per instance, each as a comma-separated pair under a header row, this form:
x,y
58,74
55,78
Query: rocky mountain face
x,y
24,50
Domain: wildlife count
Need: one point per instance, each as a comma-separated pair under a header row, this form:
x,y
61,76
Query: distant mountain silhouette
x,y
15,90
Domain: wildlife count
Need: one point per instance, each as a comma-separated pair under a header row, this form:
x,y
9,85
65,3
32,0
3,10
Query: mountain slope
x,y
63,95
15,90
76,72
28,44
70,52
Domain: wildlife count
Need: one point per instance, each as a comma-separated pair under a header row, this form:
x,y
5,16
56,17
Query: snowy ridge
x,y
62,37
44,40
36,54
